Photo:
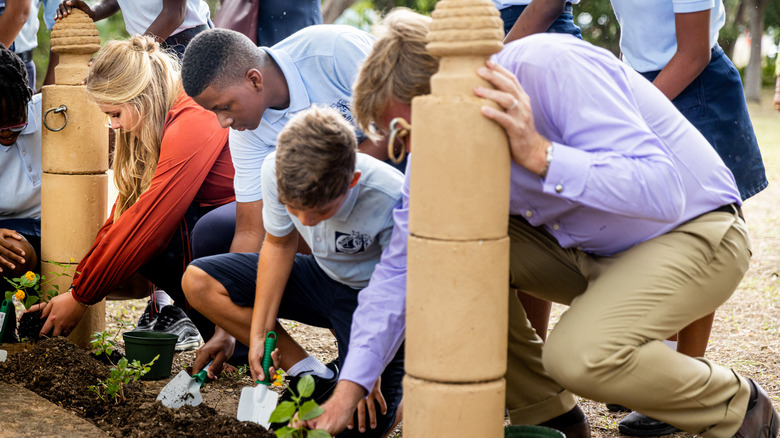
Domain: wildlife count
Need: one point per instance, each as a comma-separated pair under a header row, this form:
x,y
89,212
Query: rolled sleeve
x,y
685,6
276,220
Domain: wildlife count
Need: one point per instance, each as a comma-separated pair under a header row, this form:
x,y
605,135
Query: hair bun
x,y
143,43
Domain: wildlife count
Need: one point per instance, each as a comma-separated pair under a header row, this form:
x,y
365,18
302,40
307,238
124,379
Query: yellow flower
x,y
30,275
19,295
277,383
72,259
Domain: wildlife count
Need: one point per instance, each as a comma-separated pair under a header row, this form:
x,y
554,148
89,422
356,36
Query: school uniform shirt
x,y
20,169
348,245
140,14
626,167
320,64
648,38
194,169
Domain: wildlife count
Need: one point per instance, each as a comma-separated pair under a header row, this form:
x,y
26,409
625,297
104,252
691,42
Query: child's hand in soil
x,y
217,350
63,313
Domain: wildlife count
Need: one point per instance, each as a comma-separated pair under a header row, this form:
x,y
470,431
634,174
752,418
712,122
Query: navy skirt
x,y
715,104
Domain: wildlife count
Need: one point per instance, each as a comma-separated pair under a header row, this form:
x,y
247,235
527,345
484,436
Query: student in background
x,y
673,44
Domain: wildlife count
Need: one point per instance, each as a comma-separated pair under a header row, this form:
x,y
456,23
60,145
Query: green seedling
x,y
306,411
103,343
123,374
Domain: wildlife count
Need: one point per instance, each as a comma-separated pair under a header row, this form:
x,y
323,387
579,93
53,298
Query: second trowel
x,y
258,402
184,389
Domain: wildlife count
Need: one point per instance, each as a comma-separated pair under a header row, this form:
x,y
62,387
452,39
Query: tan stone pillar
x,y
458,247
74,183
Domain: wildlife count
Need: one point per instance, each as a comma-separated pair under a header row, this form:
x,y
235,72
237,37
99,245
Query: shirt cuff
x,y
686,6
568,171
363,367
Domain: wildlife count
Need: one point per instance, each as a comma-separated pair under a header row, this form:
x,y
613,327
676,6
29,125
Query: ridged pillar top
x,y
75,34
464,28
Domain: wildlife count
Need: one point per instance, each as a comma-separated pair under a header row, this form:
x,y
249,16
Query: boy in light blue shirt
x,y
256,91
341,203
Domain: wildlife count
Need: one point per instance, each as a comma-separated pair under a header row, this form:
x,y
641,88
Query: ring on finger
x,y
514,105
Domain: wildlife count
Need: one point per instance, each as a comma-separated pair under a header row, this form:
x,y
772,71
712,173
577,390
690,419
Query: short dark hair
x,y
15,92
315,158
221,55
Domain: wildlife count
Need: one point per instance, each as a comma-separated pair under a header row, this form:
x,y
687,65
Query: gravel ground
x,y
745,333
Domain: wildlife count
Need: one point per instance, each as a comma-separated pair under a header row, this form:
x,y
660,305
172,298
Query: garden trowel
x,y
184,389
258,402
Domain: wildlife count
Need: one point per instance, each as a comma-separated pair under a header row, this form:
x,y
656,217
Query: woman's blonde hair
x,y
398,67
139,73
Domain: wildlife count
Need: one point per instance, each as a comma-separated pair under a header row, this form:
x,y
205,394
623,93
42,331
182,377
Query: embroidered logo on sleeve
x,y
352,243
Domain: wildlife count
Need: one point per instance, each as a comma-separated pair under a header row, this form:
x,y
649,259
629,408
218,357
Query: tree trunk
x,y
753,71
735,19
332,9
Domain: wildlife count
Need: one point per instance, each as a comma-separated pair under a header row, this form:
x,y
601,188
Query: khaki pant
x,y
608,345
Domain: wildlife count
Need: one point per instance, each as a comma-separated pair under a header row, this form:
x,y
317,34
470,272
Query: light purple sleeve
x,y
379,322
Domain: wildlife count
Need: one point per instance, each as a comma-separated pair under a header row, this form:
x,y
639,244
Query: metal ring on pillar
x,y
397,132
61,109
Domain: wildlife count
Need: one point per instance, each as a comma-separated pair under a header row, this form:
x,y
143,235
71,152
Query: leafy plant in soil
x,y
306,411
104,348
59,371
123,374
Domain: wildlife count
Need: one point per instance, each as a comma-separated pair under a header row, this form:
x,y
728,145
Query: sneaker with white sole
x,y
148,319
172,319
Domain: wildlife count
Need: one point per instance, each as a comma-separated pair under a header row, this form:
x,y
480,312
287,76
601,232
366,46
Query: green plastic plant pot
x,y
531,432
144,346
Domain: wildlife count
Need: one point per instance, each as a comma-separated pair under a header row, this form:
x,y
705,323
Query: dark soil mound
x,y
152,419
59,371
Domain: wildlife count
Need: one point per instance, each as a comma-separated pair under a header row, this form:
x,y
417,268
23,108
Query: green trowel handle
x,y
270,346
202,375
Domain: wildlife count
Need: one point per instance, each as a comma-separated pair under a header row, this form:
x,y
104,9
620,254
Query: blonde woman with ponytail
x,y
171,165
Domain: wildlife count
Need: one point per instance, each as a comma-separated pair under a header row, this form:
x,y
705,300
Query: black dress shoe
x,y
612,407
573,424
761,419
636,424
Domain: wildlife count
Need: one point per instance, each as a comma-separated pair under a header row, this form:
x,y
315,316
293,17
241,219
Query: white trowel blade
x,y
181,390
256,405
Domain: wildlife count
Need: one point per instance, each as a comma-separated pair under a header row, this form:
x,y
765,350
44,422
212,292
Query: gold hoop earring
x,y
397,132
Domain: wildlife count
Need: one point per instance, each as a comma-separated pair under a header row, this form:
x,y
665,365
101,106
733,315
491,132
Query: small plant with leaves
x,y
123,374
306,410
103,343
31,288
237,373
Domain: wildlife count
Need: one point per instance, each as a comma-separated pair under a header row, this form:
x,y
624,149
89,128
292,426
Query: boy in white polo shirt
x,y
341,203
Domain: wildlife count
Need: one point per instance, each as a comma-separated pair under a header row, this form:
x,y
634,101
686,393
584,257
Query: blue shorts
x,y
563,24
715,104
313,298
